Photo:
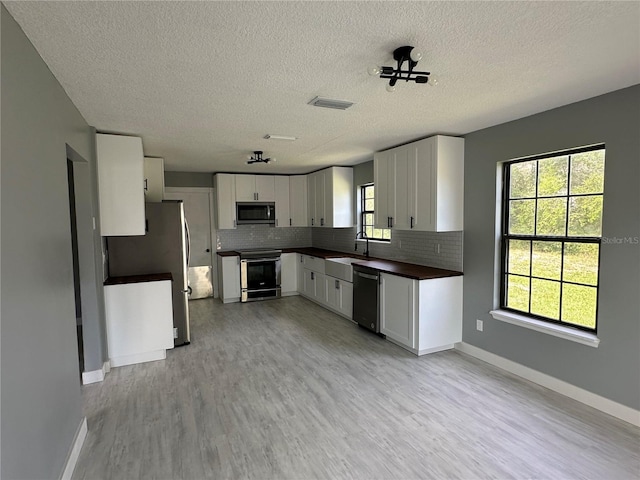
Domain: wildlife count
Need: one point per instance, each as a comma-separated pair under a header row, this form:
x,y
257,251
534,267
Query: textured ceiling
x,y
203,82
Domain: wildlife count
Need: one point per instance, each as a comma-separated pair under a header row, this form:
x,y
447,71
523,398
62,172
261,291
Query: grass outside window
x,y
552,229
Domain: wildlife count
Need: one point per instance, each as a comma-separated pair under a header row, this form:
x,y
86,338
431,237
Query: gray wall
x,y
41,401
612,369
188,179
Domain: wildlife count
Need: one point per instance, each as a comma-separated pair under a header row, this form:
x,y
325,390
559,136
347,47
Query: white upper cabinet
x,y
330,193
153,179
282,188
120,184
225,185
419,186
298,201
255,188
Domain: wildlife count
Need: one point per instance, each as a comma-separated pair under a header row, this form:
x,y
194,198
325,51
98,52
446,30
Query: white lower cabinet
x,y
229,278
139,321
330,292
397,309
423,316
339,296
289,274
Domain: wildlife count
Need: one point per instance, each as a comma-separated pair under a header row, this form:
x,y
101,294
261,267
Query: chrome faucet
x,y
363,235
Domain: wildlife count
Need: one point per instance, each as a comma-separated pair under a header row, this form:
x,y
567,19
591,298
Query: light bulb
x,y
433,81
391,88
415,55
375,70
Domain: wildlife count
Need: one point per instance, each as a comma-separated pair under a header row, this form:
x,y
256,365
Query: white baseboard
x,y
72,459
435,349
138,358
598,402
96,376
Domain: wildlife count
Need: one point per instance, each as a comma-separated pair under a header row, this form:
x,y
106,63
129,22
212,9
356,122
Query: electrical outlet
x,y
175,332
479,325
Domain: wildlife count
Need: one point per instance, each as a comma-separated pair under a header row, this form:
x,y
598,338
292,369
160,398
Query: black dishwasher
x,y
365,297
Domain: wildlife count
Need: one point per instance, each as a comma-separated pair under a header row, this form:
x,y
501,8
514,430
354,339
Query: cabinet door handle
x,y
312,222
391,222
337,284
411,222
312,276
388,222
322,222
290,222
146,185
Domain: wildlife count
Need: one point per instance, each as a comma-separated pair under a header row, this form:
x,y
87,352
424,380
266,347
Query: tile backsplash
x,y
442,250
263,236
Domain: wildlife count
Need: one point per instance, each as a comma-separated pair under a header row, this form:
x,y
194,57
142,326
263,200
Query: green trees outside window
x,y
551,235
367,201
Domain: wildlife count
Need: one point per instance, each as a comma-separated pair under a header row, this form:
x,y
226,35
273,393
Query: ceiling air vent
x,y
329,103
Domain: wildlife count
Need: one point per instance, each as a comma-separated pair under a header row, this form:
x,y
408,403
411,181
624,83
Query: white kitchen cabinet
x,y
229,278
314,286
153,179
255,188
282,192
419,186
225,186
339,296
330,202
298,207
120,168
300,272
397,309
139,321
423,316
289,274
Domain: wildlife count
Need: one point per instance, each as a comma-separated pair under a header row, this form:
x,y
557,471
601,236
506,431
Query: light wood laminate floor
x,y
284,389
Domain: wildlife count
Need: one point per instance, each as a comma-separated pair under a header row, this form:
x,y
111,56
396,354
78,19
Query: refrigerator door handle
x,y
188,239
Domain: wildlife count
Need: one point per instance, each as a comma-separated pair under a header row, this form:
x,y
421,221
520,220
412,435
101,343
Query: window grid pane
x,y
367,196
556,201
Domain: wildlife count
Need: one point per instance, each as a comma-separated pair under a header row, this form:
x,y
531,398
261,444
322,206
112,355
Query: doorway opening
x,y
76,264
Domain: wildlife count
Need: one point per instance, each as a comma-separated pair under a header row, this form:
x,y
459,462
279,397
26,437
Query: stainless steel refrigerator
x,y
164,248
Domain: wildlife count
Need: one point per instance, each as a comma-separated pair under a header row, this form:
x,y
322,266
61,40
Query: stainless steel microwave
x,y
249,213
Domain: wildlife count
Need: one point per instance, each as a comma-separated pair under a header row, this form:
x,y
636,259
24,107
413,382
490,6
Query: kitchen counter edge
x,y
401,269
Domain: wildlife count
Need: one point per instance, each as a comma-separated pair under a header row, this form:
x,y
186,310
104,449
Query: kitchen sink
x,y
340,267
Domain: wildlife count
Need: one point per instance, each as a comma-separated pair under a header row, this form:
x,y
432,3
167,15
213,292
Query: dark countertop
x,y
229,253
402,269
152,277
409,270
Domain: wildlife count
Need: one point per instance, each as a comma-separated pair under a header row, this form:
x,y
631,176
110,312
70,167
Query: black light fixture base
x,y
257,158
402,55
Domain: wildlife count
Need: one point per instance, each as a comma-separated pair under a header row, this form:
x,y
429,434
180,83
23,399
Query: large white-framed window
x,y
551,236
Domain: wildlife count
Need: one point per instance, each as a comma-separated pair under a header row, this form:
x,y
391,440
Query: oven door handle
x,y
260,260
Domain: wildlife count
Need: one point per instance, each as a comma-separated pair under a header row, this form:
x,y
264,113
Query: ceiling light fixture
x,y
401,55
279,137
257,158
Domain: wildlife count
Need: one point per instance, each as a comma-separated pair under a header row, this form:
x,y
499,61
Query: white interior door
x,y
198,210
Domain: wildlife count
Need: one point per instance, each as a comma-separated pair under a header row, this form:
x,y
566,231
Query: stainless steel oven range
x,y
259,274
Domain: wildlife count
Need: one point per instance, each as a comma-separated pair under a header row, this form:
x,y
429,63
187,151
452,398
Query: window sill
x,y
384,242
560,331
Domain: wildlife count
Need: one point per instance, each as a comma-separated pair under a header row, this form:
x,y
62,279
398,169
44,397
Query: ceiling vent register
x,y
330,103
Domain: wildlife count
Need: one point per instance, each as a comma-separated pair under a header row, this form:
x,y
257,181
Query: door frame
x,y
212,224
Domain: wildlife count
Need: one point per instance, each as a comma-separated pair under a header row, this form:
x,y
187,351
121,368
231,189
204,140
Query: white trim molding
x,y
96,376
74,453
598,402
560,331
